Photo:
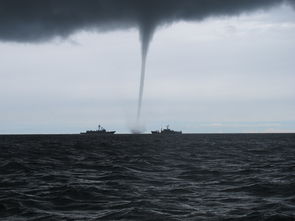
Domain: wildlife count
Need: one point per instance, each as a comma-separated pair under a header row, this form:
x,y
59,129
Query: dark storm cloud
x,y
40,20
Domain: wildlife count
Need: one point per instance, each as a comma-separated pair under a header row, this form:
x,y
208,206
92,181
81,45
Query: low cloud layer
x,y
35,20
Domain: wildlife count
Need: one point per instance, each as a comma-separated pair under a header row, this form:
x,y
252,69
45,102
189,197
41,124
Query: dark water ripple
x,y
144,177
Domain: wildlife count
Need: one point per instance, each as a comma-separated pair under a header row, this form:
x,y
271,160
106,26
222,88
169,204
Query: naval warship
x,y
100,131
166,131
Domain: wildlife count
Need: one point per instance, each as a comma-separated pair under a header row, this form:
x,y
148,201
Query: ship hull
x,y
99,133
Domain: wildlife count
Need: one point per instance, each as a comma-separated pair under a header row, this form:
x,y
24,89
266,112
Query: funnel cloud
x,y
38,21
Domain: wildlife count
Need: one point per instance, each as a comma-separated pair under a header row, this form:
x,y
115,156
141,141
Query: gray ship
x,y
100,131
166,131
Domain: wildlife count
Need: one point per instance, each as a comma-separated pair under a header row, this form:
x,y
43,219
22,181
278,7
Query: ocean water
x,y
148,177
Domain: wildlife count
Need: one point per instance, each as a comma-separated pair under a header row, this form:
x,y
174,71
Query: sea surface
x,y
148,177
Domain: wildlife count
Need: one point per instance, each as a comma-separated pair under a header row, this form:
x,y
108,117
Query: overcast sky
x,y
224,74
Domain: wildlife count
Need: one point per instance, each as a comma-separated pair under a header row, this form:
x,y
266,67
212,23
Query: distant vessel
x,y
100,131
166,131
